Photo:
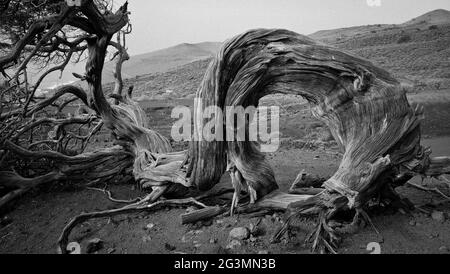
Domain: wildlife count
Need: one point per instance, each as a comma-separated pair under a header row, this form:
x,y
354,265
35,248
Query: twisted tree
x,y
365,108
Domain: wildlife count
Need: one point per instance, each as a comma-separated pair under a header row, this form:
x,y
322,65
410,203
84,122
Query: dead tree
x,y
365,108
140,154
24,113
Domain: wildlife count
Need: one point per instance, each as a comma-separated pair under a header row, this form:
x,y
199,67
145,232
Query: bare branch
x,y
64,159
67,89
56,21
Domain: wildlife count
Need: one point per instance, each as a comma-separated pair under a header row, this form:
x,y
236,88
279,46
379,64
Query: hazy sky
x,y
162,23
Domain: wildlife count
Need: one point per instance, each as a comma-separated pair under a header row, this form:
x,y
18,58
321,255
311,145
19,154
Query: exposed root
x,y
21,185
110,197
435,190
369,220
148,203
305,181
326,237
132,208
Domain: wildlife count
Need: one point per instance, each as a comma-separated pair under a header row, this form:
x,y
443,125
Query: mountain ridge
x,y
375,42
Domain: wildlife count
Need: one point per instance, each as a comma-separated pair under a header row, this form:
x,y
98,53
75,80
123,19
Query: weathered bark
x,y
150,154
201,214
365,108
127,120
21,185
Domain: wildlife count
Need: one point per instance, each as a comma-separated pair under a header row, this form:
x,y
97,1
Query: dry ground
x,y
33,223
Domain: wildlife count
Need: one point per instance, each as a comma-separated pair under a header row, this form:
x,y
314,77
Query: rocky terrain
x,y
417,52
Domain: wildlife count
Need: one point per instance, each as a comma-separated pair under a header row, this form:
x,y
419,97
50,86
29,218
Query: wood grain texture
x,y
365,108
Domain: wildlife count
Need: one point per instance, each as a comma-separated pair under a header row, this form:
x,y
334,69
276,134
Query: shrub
x,y
404,39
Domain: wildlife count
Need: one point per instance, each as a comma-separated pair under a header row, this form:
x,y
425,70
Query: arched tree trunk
x,y
365,108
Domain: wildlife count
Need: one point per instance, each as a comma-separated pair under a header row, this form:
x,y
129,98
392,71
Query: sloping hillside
x,y
180,82
162,60
417,51
435,17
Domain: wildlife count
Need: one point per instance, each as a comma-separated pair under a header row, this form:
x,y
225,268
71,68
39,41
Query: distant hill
x,y
142,64
418,54
162,60
435,17
417,51
179,82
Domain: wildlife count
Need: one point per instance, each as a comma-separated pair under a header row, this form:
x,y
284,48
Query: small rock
x,y
443,249
252,228
190,209
219,222
239,233
317,157
146,239
213,241
233,244
256,229
438,216
170,247
149,226
412,223
263,252
94,245
434,235
111,250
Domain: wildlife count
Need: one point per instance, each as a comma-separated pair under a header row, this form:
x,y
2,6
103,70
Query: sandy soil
x,y
35,222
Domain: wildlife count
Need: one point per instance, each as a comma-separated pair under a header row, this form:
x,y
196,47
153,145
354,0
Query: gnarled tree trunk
x,y
365,108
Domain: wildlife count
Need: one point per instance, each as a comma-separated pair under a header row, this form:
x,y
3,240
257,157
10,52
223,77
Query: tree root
x,y
110,197
21,185
324,237
427,189
327,235
147,203
132,208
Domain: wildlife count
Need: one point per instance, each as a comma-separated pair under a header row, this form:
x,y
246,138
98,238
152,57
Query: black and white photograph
x,y
243,129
